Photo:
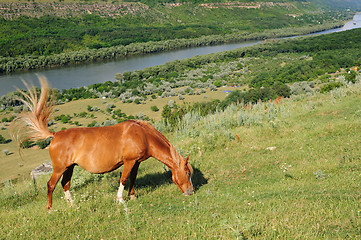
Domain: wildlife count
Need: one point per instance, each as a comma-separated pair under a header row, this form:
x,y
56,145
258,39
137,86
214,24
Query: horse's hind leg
x,y
51,186
127,168
133,176
65,182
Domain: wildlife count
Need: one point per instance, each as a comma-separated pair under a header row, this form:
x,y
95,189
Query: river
x,y
86,74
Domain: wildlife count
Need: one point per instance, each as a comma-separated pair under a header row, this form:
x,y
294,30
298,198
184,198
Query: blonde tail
x,y
33,124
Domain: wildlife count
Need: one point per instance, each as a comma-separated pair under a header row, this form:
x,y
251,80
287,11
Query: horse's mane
x,y
175,155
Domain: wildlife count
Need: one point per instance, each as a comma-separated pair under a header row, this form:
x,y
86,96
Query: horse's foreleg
x,y
51,186
133,176
65,182
127,168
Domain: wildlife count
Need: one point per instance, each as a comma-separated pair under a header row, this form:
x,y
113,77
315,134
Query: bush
x,y
82,114
351,76
27,144
2,139
92,124
329,87
95,108
119,113
43,144
217,83
8,119
6,152
110,106
253,95
154,108
65,119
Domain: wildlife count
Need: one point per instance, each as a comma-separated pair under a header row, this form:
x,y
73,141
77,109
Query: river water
x,y
86,74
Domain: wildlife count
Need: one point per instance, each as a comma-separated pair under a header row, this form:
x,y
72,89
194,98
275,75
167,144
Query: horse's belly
x,y
98,164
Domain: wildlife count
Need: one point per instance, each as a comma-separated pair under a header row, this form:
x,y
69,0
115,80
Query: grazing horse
x,y
99,149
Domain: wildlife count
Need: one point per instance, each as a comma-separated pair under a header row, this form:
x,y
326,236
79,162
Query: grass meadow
x,y
286,171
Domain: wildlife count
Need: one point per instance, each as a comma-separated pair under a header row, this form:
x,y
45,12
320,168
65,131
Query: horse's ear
x,y
186,163
187,159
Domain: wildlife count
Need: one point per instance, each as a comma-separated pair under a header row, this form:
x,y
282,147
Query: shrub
x,y
6,152
253,95
109,122
110,106
154,108
217,83
65,119
27,144
329,87
119,113
82,114
92,124
95,108
43,144
2,139
351,76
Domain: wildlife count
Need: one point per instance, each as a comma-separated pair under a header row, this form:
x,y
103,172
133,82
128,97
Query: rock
x,y
41,170
271,148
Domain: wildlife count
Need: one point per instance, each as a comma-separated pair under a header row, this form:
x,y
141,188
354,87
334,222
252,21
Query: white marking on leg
x,y
68,198
120,194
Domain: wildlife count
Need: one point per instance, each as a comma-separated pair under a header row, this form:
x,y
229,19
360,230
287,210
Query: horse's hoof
x,y
120,201
133,197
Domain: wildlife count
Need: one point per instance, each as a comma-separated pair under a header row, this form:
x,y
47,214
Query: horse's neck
x,y
167,154
162,150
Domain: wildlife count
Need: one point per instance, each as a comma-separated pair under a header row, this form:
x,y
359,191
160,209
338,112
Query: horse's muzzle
x,y
188,192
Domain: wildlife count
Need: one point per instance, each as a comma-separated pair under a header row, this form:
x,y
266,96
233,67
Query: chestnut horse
x,y
98,149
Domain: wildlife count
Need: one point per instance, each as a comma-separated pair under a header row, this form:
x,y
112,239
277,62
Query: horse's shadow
x,y
157,179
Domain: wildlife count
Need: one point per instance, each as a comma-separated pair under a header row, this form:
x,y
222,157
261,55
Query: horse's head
x,y
182,177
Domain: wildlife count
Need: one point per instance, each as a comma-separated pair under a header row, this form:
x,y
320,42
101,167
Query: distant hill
x,y
353,4
321,3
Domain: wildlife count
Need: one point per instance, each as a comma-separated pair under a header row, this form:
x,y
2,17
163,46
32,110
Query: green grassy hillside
x,y
292,172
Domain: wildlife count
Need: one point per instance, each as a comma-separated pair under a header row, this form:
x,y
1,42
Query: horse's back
x,y
100,149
